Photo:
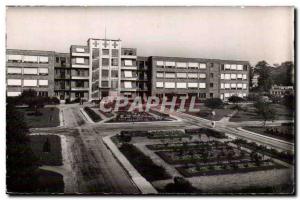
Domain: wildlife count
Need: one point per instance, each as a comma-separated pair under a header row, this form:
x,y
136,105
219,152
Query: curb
x,y
86,116
141,183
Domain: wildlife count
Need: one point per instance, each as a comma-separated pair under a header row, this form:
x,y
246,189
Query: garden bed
x,y
137,117
285,133
92,114
167,134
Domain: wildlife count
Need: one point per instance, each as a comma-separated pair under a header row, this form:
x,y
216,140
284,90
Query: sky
x,y
234,33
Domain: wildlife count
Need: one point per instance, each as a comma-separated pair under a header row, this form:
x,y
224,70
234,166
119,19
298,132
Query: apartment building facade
x,y
103,68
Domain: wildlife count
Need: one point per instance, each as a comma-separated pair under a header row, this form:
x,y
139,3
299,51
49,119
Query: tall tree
x,y
20,161
265,80
265,110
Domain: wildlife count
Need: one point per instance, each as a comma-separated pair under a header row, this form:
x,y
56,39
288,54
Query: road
x,y
94,167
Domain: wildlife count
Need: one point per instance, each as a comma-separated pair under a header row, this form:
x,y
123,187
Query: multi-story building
x,y
104,68
204,78
28,69
280,90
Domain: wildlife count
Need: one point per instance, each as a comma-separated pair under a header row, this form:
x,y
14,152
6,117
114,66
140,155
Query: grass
x,y
205,112
49,117
48,154
92,114
49,182
282,113
143,164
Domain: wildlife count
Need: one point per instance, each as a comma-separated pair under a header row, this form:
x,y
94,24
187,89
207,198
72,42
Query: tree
x,y
265,80
235,99
30,98
213,103
180,185
265,110
289,101
251,74
21,163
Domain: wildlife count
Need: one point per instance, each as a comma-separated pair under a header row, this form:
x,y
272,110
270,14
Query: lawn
x,y
49,117
205,112
286,132
49,182
47,148
282,113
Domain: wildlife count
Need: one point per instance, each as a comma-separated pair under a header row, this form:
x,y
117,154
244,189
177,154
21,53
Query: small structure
x,y
278,90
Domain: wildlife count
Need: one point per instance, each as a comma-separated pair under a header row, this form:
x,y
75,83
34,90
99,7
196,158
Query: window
x,y
159,84
95,64
30,70
30,83
192,85
222,85
239,67
227,66
239,85
114,61
222,76
226,95
114,73
192,75
222,67
13,94
181,85
79,60
104,83
104,73
227,86
43,71
244,94
169,85
95,53
160,63
240,95
80,50
14,70
14,58
57,59
202,85
211,65
202,75
127,84
233,67
44,59
181,75
114,84
169,75
181,65
233,76
245,67
240,76
211,84
114,52
245,76
14,82
170,64
159,75
211,75
105,52
128,62
105,61
43,82
31,59
193,65
244,86
233,85
227,76
202,66
128,74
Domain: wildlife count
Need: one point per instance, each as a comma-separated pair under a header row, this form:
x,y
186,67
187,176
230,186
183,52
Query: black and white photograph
x,y
150,100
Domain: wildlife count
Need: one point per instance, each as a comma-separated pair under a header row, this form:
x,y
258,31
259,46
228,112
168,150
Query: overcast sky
x,y
251,33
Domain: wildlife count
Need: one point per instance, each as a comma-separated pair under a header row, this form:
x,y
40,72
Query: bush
x,y
180,185
94,116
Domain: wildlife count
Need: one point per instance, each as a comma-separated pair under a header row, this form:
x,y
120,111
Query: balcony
x,y
79,89
129,89
80,77
129,67
80,54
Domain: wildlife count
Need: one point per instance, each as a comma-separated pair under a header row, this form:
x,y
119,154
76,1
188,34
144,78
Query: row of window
x,y
179,85
27,82
27,71
15,94
227,95
27,59
180,75
192,65
233,86
234,76
105,52
233,67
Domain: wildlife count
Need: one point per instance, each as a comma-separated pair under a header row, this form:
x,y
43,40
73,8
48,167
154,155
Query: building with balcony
x,y
103,68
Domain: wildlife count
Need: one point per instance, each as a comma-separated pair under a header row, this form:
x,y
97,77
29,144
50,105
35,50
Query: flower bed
x,y
180,145
136,117
92,114
209,132
166,134
284,156
220,169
